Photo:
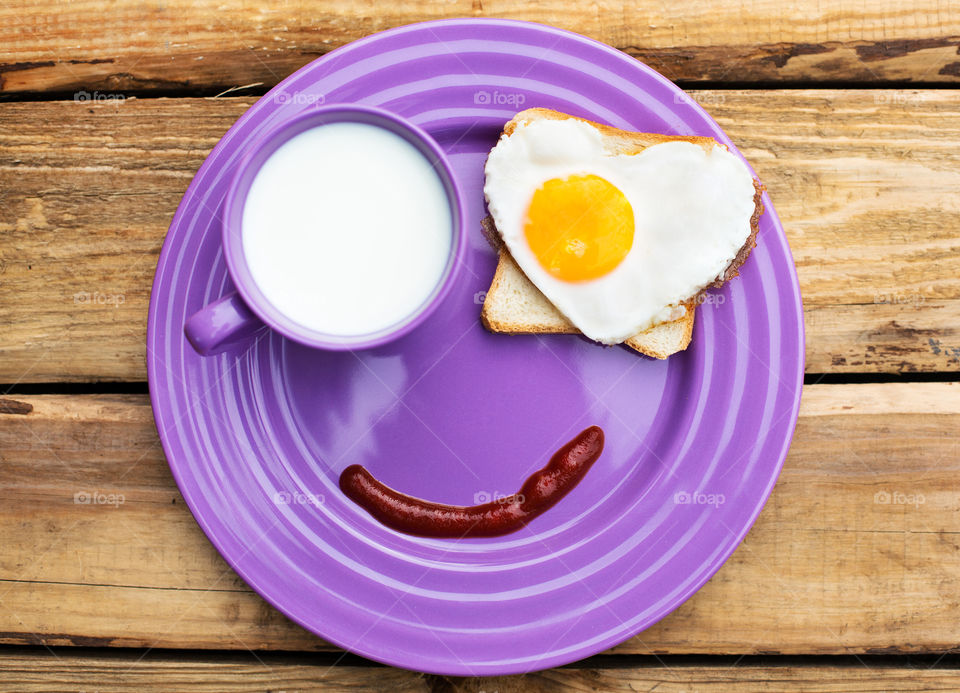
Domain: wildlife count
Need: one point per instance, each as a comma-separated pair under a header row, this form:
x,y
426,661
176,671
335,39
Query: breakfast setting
x,y
448,347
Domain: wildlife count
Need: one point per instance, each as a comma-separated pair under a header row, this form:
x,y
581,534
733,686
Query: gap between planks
x,y
55,670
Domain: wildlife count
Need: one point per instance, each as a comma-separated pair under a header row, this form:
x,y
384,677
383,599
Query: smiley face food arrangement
x,y
611,234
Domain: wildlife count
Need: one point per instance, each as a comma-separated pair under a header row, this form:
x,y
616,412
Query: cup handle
x,y
221,324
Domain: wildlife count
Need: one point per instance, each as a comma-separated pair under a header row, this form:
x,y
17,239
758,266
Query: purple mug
x,y
237,316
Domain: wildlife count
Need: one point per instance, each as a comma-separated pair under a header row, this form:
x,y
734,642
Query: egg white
x,y
691,209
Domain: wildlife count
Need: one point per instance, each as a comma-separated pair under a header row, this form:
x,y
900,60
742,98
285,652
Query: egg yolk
x,y
579,227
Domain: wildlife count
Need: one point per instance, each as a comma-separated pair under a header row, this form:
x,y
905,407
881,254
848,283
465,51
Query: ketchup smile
x,y
540,492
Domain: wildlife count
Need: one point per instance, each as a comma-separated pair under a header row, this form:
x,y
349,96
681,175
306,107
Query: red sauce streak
x,y
540,492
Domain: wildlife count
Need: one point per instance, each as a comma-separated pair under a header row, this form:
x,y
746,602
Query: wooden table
x,y
850,113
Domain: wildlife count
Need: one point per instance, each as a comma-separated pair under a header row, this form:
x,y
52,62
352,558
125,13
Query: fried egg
x,y
617,242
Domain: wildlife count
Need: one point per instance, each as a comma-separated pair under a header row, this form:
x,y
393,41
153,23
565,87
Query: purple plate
x,y
256,438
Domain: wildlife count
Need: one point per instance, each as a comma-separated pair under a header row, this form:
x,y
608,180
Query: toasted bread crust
x,y
644,139
634,142
733,269
640,342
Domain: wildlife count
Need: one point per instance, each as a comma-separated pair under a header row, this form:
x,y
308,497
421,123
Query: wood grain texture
x,y
62,671
38,672
860,182
864,181
857,551
202,45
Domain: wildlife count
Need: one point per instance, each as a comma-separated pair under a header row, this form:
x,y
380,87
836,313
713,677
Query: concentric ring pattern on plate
x,y
256,438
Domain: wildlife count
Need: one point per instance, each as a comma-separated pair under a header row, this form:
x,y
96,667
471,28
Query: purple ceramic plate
x,y
256,438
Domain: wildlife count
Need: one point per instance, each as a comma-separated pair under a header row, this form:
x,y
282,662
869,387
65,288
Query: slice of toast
x,y
513,305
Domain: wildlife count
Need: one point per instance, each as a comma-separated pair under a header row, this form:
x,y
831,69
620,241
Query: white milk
x,y
347,228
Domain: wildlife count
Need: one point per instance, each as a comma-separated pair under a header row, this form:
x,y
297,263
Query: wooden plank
x,y
121,671
133,568
865,182
26,670
860,182
858,550
84,207
189,45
